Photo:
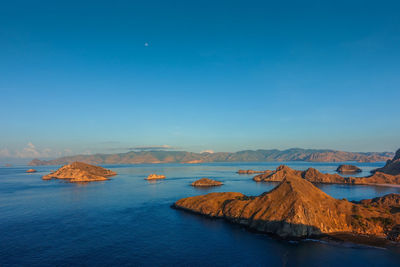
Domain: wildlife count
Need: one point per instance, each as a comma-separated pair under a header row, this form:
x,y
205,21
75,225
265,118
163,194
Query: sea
x,y
128,221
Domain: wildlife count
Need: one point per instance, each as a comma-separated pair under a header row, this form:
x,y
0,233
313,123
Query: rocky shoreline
x,y
298,209
315,176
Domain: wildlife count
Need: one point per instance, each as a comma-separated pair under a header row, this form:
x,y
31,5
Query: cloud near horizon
x,y
31,151
5,153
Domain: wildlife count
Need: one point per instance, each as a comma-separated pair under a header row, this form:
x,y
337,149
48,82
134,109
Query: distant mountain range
x,y
261,155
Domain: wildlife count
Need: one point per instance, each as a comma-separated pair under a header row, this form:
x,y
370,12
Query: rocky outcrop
x,y
80,172
205,182
311,175
295,208
276,175
378,178
348,169
390,202
250,171
392,166
261,155
30,170
315,176
154,176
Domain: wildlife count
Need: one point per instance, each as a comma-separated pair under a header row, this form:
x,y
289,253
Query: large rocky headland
x,y
298,209
392,165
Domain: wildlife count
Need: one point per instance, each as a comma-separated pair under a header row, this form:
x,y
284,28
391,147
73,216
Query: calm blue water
x,y
128,221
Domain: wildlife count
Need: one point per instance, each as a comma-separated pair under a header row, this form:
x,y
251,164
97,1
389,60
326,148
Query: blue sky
x,y
105,76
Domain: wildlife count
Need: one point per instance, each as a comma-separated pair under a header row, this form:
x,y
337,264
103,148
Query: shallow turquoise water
x,y
129,221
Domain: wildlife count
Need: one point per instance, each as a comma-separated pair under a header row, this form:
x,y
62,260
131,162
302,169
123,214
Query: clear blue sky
x,y
104,76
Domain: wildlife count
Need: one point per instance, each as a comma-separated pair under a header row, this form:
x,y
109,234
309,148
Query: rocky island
x,y
249,172
154,176
383,176
205,182
31,170
297,209
348,169
80,172
315,176
311,175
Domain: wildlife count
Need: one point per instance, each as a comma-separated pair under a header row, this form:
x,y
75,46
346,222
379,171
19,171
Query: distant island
x,y
261,155
206,182
154,176
348,169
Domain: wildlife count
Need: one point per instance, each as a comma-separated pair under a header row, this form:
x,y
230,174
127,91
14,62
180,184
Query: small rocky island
x,y
348,169
154,176
205,182
249,172
298,209
31,170
80,172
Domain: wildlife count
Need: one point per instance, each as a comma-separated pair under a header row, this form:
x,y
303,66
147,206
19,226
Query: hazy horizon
x,y
25,159
102,76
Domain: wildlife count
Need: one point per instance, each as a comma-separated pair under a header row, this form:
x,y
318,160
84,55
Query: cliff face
x,y
241,156
315,176
80,172
392,166
295,208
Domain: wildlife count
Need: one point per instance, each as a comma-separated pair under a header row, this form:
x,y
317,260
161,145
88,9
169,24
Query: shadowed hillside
x,y
296,208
